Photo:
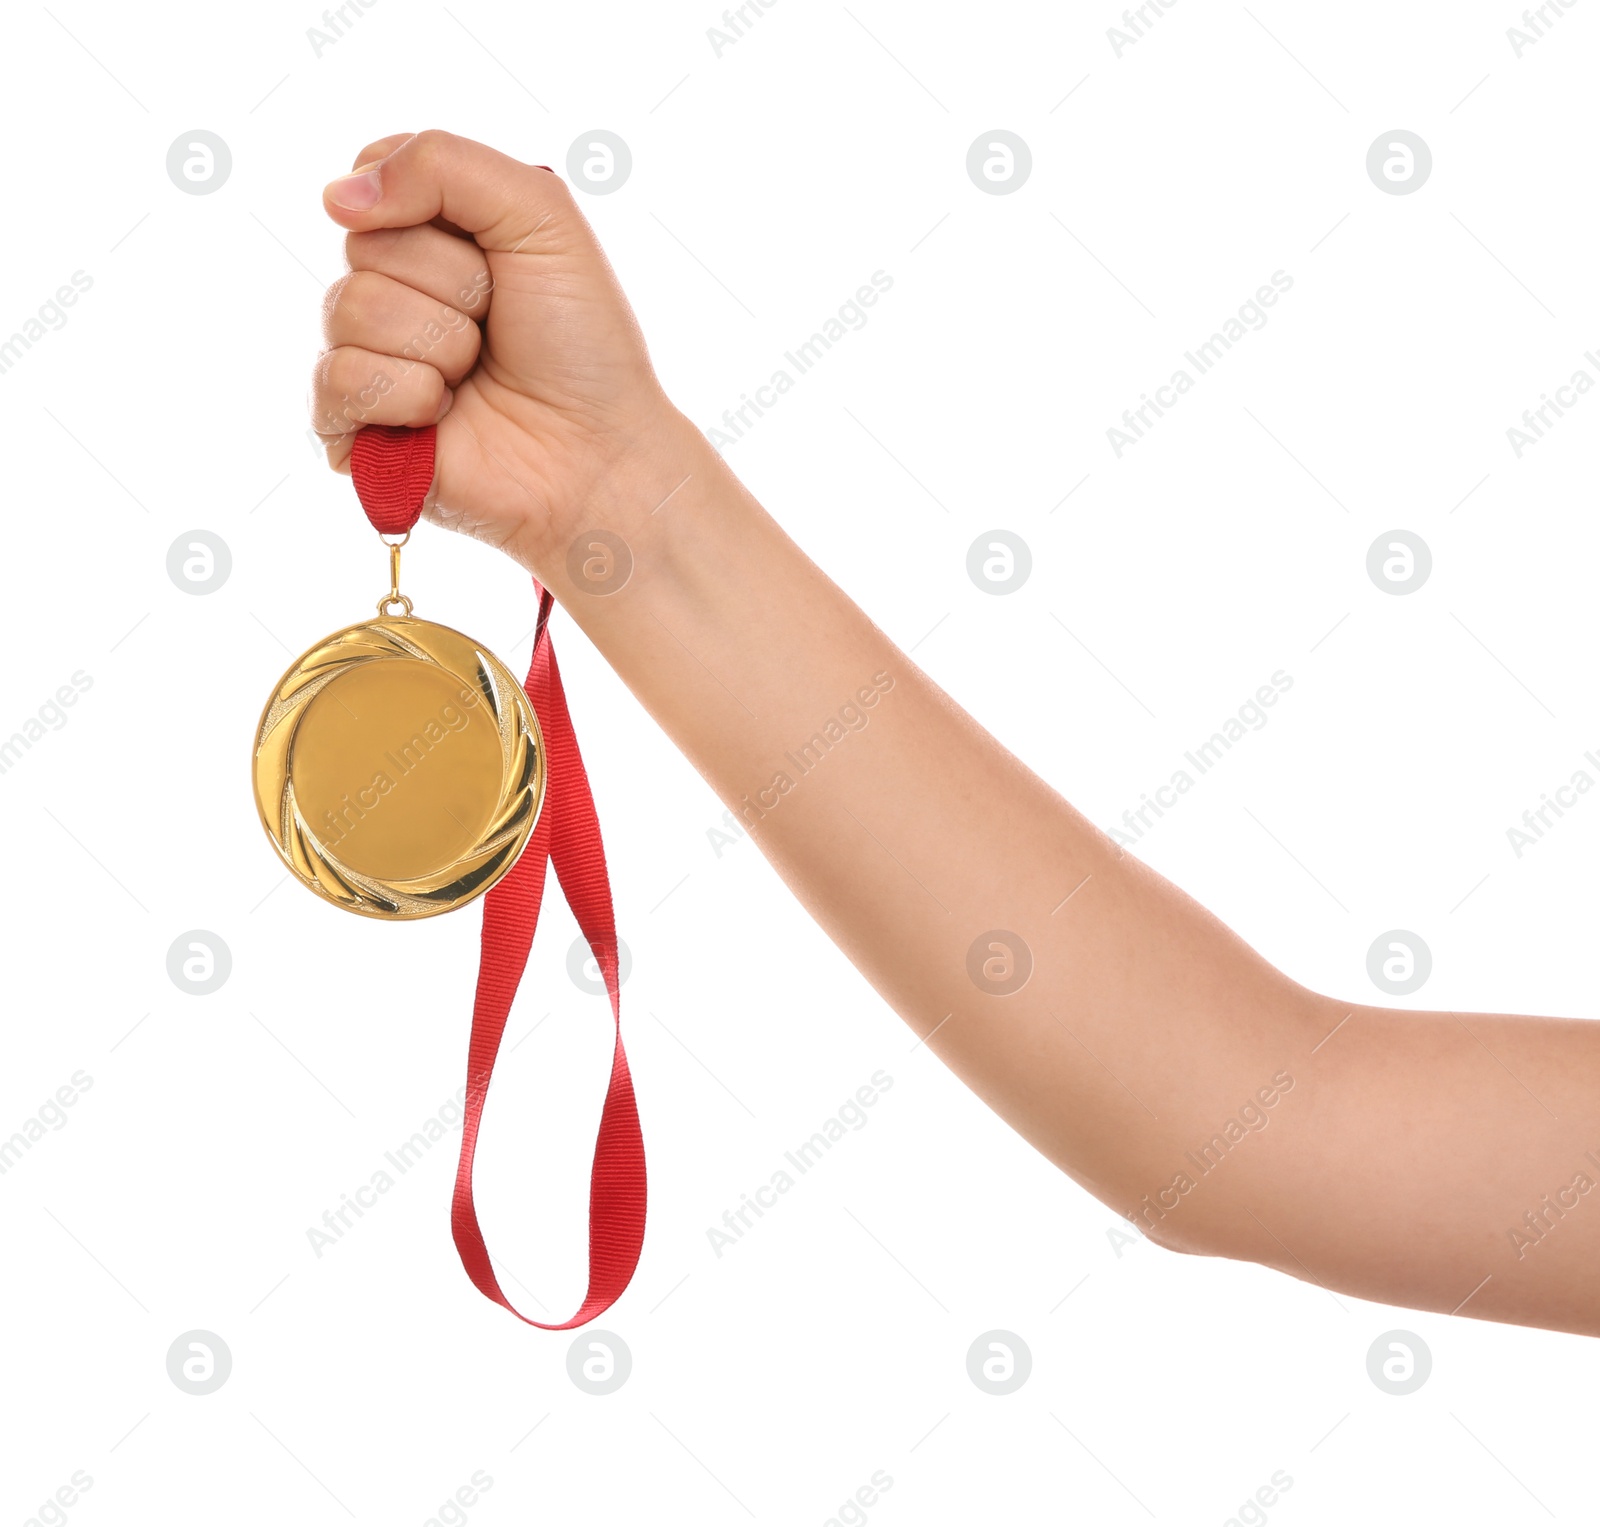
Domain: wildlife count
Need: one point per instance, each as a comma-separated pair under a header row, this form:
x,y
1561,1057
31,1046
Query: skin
x,y
1391,1155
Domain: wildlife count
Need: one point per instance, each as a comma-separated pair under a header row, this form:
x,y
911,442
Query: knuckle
x,y
334,370
551,201
322,375
350,383
327,393
473,295
356,295
334,302
366,250
429,386
469,347
421,400
435,333
431,142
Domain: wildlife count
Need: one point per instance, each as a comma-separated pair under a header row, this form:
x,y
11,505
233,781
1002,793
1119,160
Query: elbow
x,y
1173,1234
1184,1226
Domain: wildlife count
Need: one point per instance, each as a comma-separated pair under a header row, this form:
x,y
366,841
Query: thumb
x,y
500,201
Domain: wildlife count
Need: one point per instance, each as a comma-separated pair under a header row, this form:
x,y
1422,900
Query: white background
x,y
768,184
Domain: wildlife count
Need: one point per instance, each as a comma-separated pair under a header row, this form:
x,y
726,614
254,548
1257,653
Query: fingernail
x,y
444,405
356,193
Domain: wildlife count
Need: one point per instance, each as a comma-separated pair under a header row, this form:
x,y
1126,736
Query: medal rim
x,y
519,703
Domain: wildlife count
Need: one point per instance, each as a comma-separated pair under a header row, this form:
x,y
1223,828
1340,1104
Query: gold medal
x,y
399,769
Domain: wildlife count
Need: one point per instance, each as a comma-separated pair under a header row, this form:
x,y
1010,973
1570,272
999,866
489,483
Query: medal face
x,y
399,769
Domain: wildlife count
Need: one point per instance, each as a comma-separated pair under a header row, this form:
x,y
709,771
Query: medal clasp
x,y
401,604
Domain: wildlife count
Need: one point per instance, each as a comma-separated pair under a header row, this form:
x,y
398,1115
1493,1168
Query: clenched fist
x,y
479,298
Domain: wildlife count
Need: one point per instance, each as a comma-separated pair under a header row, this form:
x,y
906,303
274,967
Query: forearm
x,y
909,832
1150,1053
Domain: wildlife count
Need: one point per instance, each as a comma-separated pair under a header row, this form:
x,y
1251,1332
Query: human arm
x,y
1389,1154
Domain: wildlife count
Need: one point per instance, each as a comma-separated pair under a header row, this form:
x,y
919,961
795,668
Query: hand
x,y
478,297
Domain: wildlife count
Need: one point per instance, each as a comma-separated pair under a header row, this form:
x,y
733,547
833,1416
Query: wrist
x,y
629,518
601,480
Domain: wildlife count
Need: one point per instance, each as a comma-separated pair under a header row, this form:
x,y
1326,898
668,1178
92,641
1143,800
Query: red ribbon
x,y
393,470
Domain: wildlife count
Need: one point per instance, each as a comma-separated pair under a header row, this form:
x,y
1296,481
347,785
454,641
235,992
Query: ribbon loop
x,y
568,836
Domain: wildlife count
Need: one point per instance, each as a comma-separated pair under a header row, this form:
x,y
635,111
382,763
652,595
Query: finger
x,y
448,269
352,387
369,311
499,201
